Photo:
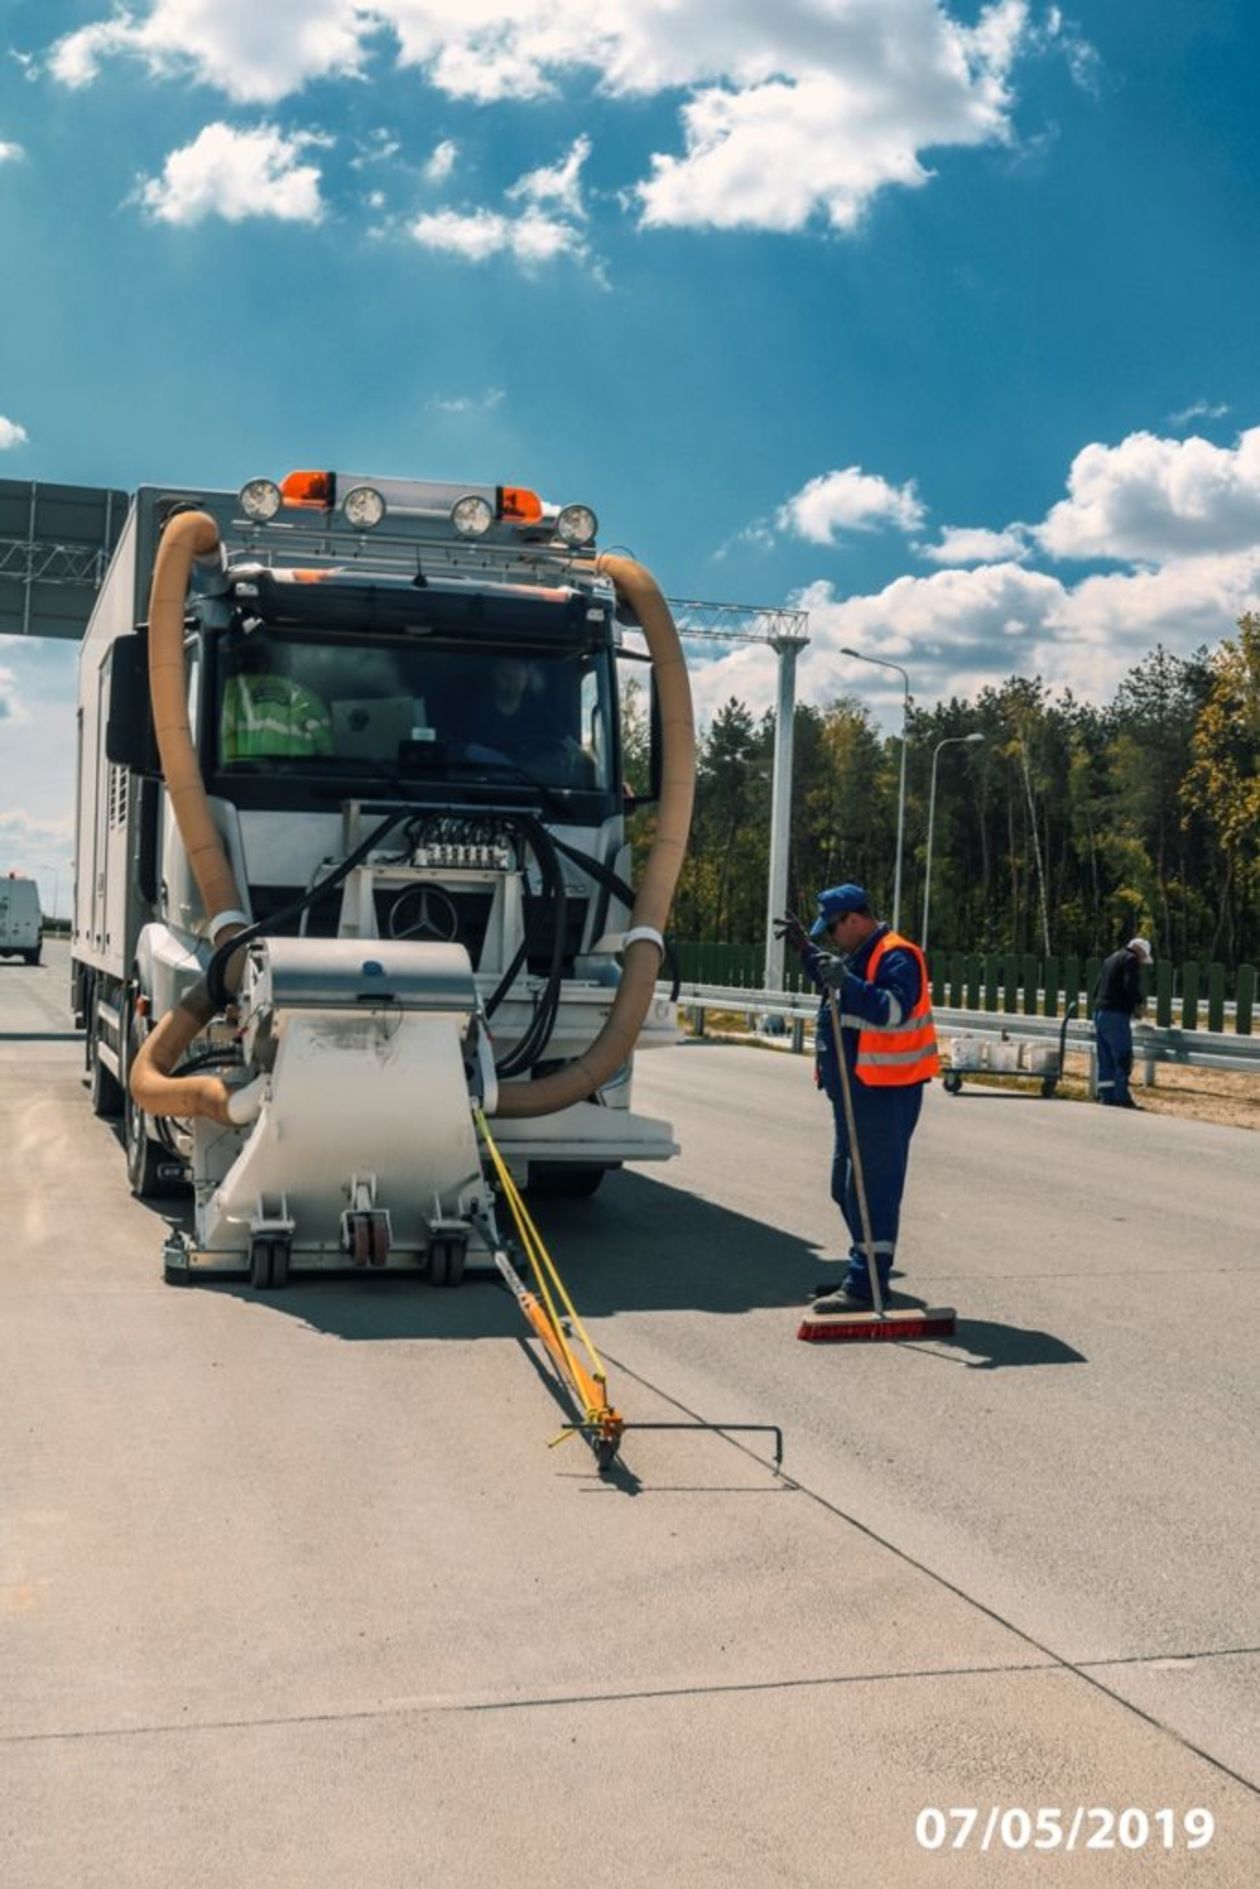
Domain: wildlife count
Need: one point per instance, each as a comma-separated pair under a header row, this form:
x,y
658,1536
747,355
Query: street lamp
x,y
949,741
882,663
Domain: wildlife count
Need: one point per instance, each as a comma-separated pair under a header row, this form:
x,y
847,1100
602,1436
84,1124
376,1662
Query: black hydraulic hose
x,y
216,970
613,882
538,1034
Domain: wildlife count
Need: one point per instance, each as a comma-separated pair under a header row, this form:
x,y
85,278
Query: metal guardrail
x,y
1190,1049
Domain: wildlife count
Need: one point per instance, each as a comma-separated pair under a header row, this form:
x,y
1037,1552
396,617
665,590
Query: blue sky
x,y
939,317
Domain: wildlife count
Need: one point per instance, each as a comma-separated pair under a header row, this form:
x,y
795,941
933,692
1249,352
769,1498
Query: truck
x,y
21,922
352,871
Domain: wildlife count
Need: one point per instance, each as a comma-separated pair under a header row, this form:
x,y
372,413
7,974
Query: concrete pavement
x,y
292,1590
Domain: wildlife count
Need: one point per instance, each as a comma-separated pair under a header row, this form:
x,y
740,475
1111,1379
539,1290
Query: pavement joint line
x,y
1081,1671
1172,1659
438,1708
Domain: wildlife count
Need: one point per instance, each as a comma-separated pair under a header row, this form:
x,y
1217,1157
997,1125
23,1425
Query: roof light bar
x,y
309,491
519,506
364,507
472,516
576,526
260,499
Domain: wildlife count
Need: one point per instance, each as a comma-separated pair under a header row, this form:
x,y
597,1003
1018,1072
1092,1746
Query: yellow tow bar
x,y
554,1318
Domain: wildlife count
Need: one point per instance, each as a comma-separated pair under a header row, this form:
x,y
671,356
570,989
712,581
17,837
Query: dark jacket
x,y
1119,985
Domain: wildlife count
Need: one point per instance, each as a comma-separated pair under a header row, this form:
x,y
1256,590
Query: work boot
x,y
841,1301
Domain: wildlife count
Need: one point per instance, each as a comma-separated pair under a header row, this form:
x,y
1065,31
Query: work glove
x,y
790,929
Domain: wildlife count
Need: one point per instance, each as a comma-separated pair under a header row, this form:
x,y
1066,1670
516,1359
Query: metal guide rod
x,y
587,1382
601,1425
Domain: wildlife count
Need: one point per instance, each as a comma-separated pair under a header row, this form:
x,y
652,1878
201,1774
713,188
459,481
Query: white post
x,y
787,649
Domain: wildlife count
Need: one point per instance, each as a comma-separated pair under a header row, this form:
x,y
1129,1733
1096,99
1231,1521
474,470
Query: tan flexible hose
x,y
188,535
638,590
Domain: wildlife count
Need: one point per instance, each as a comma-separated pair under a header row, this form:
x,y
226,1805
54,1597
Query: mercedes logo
x,y
425,912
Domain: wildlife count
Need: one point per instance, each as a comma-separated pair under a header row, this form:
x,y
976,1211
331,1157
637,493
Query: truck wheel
x,y
551,1181
269,1264
446,1262
145,1157
104,1089
32,957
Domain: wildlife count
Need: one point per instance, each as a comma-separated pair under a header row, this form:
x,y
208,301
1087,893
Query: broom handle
x,y
855,1155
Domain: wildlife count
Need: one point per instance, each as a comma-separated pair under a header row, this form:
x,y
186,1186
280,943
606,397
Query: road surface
x,y
292,1590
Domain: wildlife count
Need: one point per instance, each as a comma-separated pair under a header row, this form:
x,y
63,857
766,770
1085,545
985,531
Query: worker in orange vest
x,y
885,1004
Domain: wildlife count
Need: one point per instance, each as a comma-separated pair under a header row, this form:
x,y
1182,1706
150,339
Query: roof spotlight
x,y
473,516
260,500
576,526
364,507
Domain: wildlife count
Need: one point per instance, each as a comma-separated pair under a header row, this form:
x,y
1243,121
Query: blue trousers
x,y
885,1120
1114,1035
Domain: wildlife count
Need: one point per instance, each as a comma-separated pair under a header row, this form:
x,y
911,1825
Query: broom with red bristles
x,y
881,1321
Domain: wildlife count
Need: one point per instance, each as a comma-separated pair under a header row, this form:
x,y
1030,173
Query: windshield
x,y
332,704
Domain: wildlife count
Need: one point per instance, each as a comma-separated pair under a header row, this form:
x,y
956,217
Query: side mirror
x,y
129,737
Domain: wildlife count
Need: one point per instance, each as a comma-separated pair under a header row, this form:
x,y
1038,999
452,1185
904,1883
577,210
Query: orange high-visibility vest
x,y
893,1055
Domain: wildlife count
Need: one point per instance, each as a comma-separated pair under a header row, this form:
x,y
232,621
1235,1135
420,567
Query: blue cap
x,y
834,903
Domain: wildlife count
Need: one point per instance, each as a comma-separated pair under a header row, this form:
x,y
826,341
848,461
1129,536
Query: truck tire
x,y
32,957
552,1180
145,1156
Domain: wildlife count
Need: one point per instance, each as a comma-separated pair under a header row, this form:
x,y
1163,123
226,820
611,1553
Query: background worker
x,y
889,1042
1117,1000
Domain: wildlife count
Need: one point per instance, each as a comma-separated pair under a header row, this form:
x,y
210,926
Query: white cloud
x,y
801,111
973,544
470,403
9,707
256,53
558,184
956,631
11,434
532,236
1149,500
237,174
476,235
10,152
379,147
849,500
442,162
1198,410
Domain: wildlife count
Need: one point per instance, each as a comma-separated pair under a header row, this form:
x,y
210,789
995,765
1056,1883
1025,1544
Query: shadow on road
x,y
640,1246
1000,1347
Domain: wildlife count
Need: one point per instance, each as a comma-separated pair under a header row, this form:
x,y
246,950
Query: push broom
x,y
882,1321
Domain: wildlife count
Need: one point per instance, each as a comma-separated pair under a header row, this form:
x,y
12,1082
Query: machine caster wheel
x,y
269,1265
176,1272
606,1454
360,1239
952,1084
1048,1086
446,1262
380,1242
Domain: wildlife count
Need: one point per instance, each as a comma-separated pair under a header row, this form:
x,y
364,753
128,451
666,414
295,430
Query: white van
x,y
20,918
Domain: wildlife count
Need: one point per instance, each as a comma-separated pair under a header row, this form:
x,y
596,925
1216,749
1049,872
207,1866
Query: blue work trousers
x,y
885,1120
1113,1033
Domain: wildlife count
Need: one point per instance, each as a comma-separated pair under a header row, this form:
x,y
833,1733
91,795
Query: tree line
x,y
1068,828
